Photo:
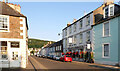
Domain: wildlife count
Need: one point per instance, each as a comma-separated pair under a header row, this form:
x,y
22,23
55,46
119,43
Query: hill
x,y
37,43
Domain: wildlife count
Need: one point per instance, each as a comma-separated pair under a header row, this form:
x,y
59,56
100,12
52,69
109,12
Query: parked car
x,y
66,58
57,57
51,56
54,57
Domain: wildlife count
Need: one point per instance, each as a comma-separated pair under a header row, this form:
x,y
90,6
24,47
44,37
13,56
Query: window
x,y
106,12
70,30
60,47
88,36
66,42
65,32
88,20
106,50
15,55
75,39
74,27
80,24
3,49
81,36
106,29
111,11
3,23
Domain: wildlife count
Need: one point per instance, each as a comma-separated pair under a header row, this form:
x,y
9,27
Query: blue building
x,y
106,36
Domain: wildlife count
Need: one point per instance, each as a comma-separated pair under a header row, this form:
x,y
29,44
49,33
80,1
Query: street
x,y
44,63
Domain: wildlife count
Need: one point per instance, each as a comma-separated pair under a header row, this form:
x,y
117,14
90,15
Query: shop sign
x,y
88,46
14,44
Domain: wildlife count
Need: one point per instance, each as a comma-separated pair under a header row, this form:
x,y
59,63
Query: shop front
x,y
81,53
12,53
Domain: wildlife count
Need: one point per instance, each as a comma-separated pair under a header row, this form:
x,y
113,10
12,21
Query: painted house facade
x,y
106,36
77,35
13,36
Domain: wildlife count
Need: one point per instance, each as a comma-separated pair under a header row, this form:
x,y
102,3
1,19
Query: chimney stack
x,y
68,24
107,2
74,20
14,6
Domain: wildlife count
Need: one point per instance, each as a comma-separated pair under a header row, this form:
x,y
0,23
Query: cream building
x,y
13,36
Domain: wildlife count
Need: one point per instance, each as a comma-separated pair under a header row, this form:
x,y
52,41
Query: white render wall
x,y
83,30
22,50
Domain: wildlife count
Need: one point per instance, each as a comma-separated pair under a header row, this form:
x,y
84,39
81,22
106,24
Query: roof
x,y
117,14
7,10
79,19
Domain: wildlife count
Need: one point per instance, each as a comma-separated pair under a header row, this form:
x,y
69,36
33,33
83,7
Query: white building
x,y
13,36
77,35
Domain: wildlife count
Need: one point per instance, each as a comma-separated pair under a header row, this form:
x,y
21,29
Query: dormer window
x,y
108,11
111,11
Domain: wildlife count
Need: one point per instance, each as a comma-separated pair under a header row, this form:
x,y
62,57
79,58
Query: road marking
x,y
41,66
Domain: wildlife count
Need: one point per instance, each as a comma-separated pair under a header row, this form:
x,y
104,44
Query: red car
x,y
66,58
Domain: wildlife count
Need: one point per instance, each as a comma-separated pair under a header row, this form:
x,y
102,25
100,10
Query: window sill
x,y
106,36
4,31
105,57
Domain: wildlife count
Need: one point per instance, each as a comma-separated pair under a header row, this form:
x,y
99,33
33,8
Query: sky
x,y
47,19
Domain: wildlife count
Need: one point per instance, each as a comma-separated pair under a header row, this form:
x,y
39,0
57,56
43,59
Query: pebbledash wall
x,y
113,40
17,33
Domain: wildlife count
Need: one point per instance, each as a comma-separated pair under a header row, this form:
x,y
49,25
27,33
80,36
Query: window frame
x,y
81,38
80,23
88,19
8,26
87,35
4,50
104,28
103,51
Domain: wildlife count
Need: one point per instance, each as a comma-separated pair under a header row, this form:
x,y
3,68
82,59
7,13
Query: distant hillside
x,y
36,43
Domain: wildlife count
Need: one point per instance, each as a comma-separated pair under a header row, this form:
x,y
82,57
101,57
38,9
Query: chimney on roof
x,y
74,20
68,24
107,2
14,6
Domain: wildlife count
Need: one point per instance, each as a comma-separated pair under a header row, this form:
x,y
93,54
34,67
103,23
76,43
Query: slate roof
x,y
7,10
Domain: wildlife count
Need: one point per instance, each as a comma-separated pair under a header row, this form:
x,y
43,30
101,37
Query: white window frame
x,y
87,35
112,5
75,27
103,50
80,23
6,51
88,19
109,29
7,23
70,29
81,40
